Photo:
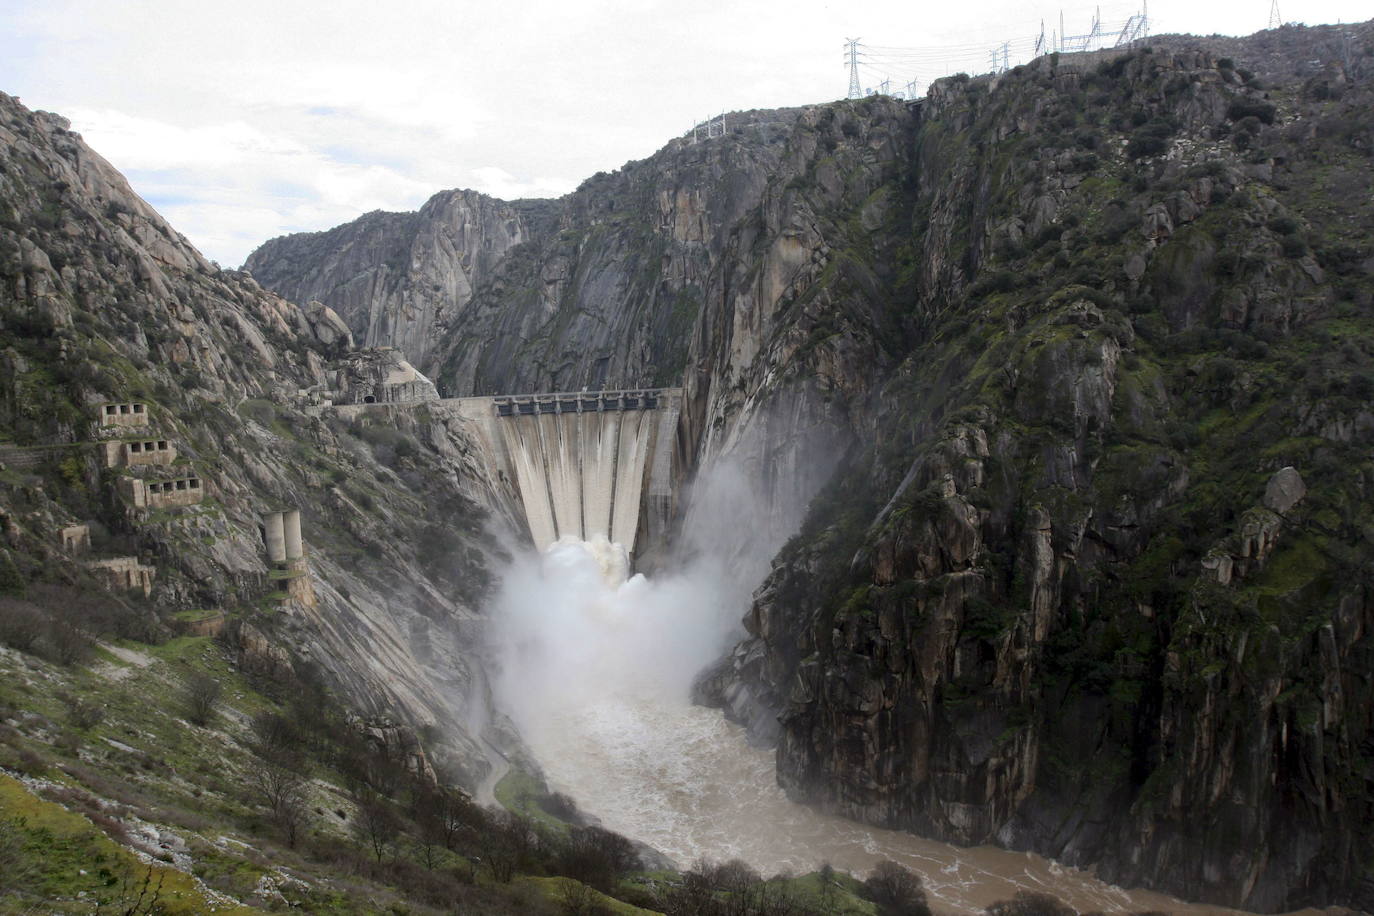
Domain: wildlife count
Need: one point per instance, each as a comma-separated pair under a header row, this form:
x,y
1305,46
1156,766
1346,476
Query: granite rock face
x,y
101,301
1071,594
400,279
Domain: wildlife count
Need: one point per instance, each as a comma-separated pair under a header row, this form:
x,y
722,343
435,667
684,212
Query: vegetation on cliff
x,y
1098,583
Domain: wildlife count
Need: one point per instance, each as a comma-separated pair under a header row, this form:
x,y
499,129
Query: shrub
x,y
199,694
1002,281
66,643
1263,111
1028,903
1151,138
20,870
1293,246
1118,218
596,856
11,580
83,714
21,624
896,890
561,806
1084,163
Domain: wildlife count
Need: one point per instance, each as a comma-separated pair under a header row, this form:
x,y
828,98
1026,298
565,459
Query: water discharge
x,y
596,672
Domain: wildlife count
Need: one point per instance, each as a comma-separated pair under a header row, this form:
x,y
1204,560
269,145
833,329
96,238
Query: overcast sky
x,y
248,120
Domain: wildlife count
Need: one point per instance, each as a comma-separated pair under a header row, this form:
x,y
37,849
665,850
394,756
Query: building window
x,y
195,484
154,488
138,408
162,446
109,410
181,484
123,408
136,446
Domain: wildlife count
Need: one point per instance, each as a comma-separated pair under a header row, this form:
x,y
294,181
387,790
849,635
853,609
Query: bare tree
x,y
376,826
292,817
507,843
21,623
730,889
199,693
457,812
136,898
596,856
67,643
896,890
82,713
577,899
279,784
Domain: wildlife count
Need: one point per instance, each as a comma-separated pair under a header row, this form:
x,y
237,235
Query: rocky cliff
x,y
401,279
1143,363
103,303
1081,355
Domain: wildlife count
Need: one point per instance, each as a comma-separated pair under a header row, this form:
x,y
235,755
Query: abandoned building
x,y
281,531
162,493
125,574
131,453
76,539
131,415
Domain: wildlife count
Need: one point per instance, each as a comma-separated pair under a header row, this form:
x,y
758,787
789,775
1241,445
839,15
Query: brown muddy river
x,y
596,675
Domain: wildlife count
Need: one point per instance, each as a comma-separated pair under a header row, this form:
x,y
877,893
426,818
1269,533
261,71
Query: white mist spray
x,y
596,670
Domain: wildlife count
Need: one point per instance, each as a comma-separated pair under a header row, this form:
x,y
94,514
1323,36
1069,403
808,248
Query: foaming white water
x,y
597,669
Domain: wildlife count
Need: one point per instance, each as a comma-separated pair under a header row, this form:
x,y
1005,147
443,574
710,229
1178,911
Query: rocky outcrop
x,y
1072,595
378,376
102,302
400,279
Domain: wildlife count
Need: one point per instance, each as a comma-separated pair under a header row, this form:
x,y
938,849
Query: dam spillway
x,y
591,464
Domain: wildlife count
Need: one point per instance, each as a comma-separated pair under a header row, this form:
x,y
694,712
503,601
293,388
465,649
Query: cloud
x,y
231,185
497,182
216,109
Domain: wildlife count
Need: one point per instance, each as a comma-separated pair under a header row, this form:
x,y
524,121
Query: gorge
x,y
1000,464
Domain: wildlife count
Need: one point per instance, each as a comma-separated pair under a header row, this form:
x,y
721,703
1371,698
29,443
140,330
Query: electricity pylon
x,y
855,92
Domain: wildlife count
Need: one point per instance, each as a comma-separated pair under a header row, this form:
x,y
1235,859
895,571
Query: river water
x,y
596,673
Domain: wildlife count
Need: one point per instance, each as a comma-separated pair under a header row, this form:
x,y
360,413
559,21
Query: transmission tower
x,y
1275,20
855,91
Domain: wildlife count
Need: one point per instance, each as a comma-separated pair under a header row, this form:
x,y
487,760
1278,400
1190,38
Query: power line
x,y
881,67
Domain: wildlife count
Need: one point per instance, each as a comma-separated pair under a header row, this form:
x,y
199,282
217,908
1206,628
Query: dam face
x,y
592,463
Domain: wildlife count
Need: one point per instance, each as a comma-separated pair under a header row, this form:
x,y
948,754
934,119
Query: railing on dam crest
x,y
583,401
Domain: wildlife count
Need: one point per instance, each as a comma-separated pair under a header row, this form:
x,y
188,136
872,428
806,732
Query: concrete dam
x,y
592,463
583,464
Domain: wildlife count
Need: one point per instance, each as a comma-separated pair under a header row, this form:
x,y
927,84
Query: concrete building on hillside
x,y
132,415
125,574
132,453
162,493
